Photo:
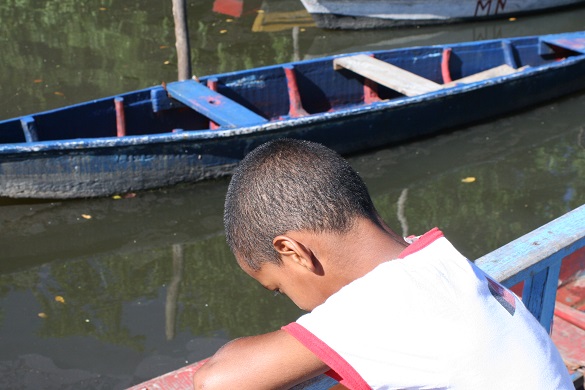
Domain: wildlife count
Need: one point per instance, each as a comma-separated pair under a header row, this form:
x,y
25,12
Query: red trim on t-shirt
x,y
422,242
341,370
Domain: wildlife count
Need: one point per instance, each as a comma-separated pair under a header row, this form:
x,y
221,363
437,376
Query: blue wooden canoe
x,y
537,265
193,130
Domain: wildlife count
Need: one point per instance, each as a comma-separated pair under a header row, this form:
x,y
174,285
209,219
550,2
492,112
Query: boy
x,y
383,313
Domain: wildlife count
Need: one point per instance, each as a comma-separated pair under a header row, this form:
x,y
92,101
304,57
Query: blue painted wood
x,y
213,105
509,57
161,101
29,128
322,382
539,294
535,258
79,155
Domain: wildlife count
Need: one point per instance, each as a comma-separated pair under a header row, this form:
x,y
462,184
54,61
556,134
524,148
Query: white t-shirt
x,y
431,320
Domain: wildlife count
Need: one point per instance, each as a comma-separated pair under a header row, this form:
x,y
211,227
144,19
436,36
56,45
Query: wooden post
x,y
182,39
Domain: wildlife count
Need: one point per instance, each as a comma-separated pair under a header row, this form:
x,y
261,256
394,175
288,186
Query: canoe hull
x,y
103,166
363,14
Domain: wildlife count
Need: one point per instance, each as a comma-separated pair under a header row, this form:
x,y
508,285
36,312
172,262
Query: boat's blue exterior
x,y
75,151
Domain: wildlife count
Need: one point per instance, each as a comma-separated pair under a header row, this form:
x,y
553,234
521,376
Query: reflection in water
x,y
157,287
400,205
173,292
148,283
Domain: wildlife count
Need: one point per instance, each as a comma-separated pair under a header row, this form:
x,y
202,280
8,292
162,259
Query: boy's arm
x,y
271,361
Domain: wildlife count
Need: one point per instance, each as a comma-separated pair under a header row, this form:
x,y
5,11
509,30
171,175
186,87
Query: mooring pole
x,y
182,39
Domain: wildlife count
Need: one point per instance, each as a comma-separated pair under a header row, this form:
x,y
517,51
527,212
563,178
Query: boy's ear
x,y
291,249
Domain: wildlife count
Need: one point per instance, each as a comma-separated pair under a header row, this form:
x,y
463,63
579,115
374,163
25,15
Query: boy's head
x,y
290,185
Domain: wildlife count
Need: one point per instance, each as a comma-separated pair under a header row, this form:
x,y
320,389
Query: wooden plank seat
x,y
502,70
388,75
215,106
407,82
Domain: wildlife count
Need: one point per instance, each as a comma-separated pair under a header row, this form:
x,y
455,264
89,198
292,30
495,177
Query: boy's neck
x,y
348,256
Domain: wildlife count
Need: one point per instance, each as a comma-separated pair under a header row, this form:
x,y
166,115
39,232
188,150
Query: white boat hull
x,y
385,13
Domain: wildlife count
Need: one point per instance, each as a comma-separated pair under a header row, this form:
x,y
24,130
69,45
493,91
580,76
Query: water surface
x,y
106,293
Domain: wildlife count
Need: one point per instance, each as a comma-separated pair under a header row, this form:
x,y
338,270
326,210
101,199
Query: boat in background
x,y
194,130
364,14
546,267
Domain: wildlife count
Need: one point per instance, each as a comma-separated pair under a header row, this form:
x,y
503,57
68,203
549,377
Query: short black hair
x,y
291,185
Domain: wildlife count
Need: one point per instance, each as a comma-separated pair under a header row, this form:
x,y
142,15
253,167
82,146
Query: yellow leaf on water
x,y
512,19
229,20
167,62
469,179
59,93
86,216
42,315
222,31
60,299
103,8
116,197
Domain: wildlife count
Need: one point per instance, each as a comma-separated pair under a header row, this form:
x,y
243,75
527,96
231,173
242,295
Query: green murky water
x,y
106,293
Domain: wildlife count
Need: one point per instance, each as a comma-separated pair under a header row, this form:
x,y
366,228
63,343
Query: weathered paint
x,y
120,117
359,14
296,106
535,259
213,105
74,151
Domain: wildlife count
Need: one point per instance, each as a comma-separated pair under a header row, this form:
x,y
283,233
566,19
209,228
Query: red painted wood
x,y
295,105
120,117
571,315
371,91
233,8
570,341
573,266
445,72
180,379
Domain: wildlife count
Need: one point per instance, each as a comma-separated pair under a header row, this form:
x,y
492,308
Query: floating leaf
x,y
116,197
229,20
469,179
167,62
512,19
60,299
223,31
103,9
86,216
42,315
59,93
129,195
163,47
37,81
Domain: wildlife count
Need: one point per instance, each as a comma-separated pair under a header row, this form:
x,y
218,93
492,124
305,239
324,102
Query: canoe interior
x,y
265,91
